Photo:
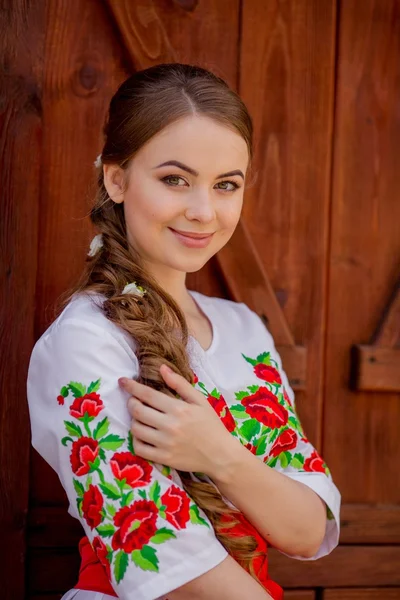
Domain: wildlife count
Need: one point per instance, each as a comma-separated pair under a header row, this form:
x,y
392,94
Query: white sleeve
x,y
133,511
290,452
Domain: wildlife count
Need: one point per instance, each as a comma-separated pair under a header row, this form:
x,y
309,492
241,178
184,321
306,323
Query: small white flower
x,y
134,288
95,244
97,163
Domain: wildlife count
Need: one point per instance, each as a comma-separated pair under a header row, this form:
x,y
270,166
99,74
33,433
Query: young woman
x,y
184,474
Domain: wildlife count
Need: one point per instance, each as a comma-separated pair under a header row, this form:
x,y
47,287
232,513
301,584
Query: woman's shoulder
x,y
84,312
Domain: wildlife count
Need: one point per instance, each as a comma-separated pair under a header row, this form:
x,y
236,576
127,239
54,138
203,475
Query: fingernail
x,y
168,369
123,381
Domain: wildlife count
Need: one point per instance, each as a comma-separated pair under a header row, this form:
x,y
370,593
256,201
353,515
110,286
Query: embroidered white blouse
x,y
151,537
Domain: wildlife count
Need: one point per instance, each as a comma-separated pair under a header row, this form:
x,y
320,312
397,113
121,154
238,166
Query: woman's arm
x,y
287,513
226,581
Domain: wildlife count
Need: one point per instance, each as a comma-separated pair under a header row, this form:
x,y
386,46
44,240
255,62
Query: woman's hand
x,y
185,434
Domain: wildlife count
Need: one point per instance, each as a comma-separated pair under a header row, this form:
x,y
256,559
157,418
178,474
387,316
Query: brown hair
x,y
142,106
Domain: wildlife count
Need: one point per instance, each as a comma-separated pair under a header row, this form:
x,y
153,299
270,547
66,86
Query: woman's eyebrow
x,y
177,163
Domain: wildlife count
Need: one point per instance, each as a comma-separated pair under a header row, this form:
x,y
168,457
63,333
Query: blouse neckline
x,y
206,308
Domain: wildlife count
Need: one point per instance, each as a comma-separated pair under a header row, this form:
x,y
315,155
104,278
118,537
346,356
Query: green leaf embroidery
x,y
162,535
80,490
166,470
110,508
238,414
94,386
237,407
142,494
102,455
299,457
146,558
264,358
130,443
120,565
240,395
274,435
127,498
250,428
215,393
250,360
261,445
110,490
296,464
154,492
106,530
111,442
64,391
65,440
195,516
78,390
79,505
329,514
73,429
101,428
285,459
253,388
89,482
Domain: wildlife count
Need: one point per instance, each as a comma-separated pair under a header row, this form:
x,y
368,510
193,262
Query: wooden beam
x,y
375,369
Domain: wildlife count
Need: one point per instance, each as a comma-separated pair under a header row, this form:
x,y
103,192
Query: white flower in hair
x,y
97,162
134,288
95,244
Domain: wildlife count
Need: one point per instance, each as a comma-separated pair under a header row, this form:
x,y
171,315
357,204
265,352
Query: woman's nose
x,y
201,207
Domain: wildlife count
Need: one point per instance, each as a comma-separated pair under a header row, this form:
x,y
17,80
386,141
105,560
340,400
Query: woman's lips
x,y
192,242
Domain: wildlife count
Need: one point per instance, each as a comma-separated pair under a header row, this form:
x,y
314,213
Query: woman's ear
x,y
114,182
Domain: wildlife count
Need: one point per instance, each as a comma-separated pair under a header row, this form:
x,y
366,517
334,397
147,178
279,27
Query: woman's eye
x,y
173,180
234,185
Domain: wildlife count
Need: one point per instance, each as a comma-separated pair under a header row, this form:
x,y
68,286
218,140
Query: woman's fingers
x,y
153,398
145,414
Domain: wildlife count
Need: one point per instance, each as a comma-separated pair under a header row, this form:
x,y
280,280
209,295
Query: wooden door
x,y
317,251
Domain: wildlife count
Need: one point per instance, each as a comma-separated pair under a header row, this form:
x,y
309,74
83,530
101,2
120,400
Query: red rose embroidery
x,y
264,407
285,441
267,373
91,404
222,410
137,524
195,378
136,470
92,506
101,551
177,506
84,450
314,463
60,400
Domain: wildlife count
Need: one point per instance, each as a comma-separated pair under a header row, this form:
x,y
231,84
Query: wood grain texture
x,y
361,428
365,524
287,76
20,143
362,594
376,369
347,566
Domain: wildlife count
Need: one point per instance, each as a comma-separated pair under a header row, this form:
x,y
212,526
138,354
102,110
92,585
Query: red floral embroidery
x,y
135,469
177,505
137,524
84,450
287,440
60,400
314,463
222,410
251,447
101,550
286,396
267,373
264,407
91,404
92,505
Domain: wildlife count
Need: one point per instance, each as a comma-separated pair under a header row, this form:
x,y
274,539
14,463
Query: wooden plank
x,y
287,67
376,369
50,572
388,333
20,142
361,429
362,594
363,524
300,595
346,566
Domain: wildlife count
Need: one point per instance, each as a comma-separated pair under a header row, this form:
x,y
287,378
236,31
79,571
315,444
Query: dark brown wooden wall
x,y
320,231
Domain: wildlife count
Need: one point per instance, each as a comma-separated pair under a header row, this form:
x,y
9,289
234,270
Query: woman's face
x,y
202,195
